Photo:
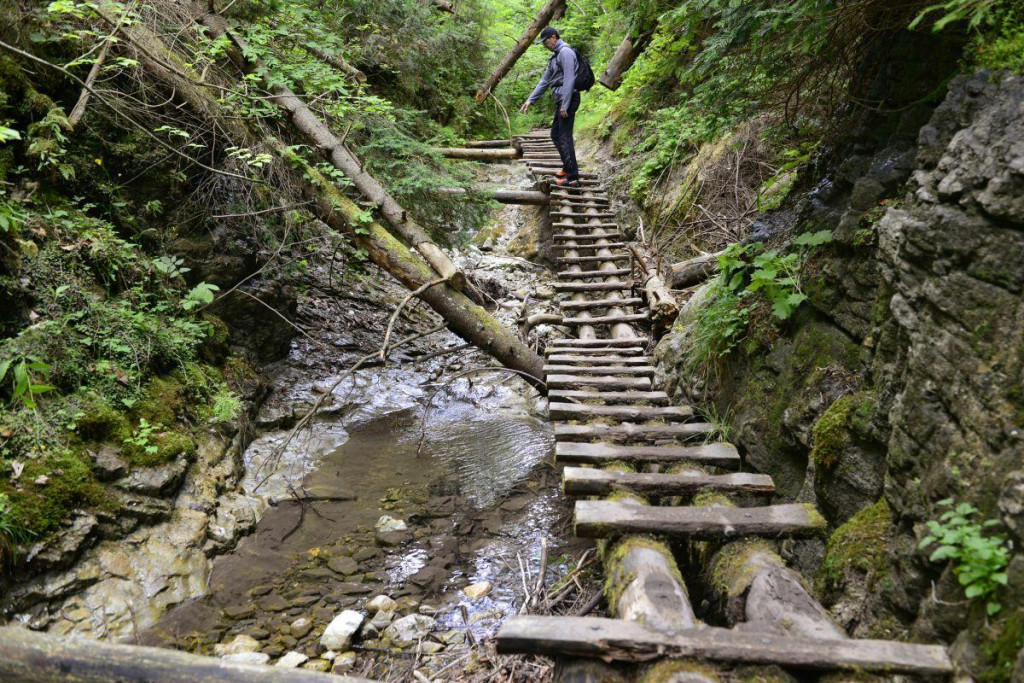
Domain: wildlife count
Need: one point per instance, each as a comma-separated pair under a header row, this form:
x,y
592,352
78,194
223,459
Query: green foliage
x,y
831,433
975,13
11,532
1002,47
979,561
30,378
861,544
140,437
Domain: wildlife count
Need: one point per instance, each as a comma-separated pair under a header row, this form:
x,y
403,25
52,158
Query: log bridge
x,y
651,477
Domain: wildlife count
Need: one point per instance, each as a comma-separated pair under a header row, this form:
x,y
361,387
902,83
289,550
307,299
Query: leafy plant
x,y
11,531
140,437
980,561
30,378
201,295
975,12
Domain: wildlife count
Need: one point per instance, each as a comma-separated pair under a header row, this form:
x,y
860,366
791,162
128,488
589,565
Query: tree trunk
x,y
337,61
31,657
552,10
489,143
478,154
444,6
464,318
629,49
321,136
663,305
694,271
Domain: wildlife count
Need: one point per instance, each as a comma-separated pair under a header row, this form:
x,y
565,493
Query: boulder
x,y
338,635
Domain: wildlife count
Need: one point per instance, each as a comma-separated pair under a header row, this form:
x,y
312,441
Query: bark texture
x,y
552,10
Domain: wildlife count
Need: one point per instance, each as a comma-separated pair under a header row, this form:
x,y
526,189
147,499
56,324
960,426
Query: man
x,y
561,77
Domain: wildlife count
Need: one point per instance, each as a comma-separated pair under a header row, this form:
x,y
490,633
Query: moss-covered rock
x,y
857,552
52,487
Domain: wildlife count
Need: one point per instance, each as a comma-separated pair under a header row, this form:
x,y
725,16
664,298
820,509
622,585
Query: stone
x,y
248,658
429,647
240,644
343,565
301,627
1011,503
381,603
392,539
453,637
382,618
303,600
350,588
338,635
410,628
291,660
108,463
365,553
344,662
272,603
155,481
235,517
64,548
387,524
239,611
477,590
317,665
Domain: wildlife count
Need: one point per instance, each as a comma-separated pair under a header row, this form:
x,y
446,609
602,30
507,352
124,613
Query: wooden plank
x,y
586,481
584,216
584,350
601,360
588,247
629,641
588,237
597,343
716,454
590,274
577,381
601,370
600,303
570,224
490,143
624,285
581,411
31,657
477,154
604,519
633,432
607,319
621,256
657,397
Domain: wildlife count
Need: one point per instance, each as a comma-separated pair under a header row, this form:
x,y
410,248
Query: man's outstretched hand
x,y
564,114
526,107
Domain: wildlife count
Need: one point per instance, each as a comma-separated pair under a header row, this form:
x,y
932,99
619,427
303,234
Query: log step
x,y
621,256
715,454
629,641
628,431
589,247
603,370
590,274
587,481
584,216
570,224
614,383
600,303
566,237
624,286
577,201
582,411
606,319
604,519
599,342
657,397
598,360
585,350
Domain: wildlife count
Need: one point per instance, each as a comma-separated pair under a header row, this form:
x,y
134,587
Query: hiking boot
x,y
565,182
561,174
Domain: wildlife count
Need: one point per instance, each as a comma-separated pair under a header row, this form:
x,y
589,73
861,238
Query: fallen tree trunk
x,y
477,154
693,271
336,61
339,155
629,49
552,10
529,197
329,204
663,305
32,657
488,143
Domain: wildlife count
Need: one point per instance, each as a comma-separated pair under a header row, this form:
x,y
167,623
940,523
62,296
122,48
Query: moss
x,y
732,571
627,497
667,670
613,554
1003,650
834,431
41,508
860,544
712,498
762,674
163,400
101,422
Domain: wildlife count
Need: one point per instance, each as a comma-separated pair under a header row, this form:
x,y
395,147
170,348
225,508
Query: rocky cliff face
x,y
902,383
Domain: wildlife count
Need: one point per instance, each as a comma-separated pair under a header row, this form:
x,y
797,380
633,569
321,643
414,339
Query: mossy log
x,y
477,154
323,138
625,55
693,271
552,10
464,318
32,657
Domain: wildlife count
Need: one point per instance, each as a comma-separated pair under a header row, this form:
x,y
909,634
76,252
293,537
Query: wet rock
x,y
486,615
364,554
1011,503
429,647
350,588
381,603
65,547
144,509
429,610
382,619
303,600
477,590
155,481
317,665
392,539
453,637
407,603
239,611
259,633
235,517
338,635
387,524
410,628
343,565
240,644
301,627
248,658
108,463
291,660
272,603
344,662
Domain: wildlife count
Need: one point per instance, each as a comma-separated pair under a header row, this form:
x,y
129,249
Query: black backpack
x,y
584,74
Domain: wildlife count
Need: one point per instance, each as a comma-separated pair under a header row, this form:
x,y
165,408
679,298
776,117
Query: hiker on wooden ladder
x,y
567,74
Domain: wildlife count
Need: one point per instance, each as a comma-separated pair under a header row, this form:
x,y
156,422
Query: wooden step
x,y
607,319
620,256
567,237
587,350
571,358
598,342
624,286
587,481
589,247
583,411
714,454
570,224
614,383
606,518
591,274
627,431
583,216
600,303
582,199
655,397
600,370
629,641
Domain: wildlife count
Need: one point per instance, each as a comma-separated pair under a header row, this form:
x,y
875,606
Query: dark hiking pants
x,y
561,135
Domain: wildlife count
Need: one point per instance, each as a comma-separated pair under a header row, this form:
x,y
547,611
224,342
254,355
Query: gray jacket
x,y
560,75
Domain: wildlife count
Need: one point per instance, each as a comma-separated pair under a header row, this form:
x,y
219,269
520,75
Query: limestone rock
x,y
291,660
248,658
155,481
65,547
317,665
477,590
410,628
387,524
338,635
343,565
108,463
241,644
381,603
344,662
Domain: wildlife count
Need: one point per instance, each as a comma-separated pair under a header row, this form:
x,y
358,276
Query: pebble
x,y
273,603
364,554
248,658
239,645
453,637
301,627
239,611
343,565
382,618
387,524
410,628
477,590
346,661
317,665
381,603
339,632
291,660
428,610
429,647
